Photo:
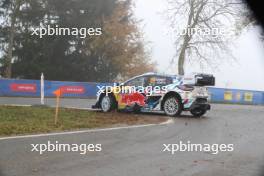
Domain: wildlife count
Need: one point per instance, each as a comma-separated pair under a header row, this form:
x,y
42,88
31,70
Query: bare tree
x,y
203,28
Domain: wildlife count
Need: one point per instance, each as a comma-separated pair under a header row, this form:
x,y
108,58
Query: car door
x,y
132,93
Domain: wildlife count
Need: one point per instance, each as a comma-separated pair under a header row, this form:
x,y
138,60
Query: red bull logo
x,y
133,98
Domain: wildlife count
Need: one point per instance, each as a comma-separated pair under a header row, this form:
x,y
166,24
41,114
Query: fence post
x,y
42,89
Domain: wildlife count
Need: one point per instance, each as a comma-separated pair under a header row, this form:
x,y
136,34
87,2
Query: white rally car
x,y
157,92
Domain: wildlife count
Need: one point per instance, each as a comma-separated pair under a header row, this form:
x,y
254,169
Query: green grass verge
x,y
28,120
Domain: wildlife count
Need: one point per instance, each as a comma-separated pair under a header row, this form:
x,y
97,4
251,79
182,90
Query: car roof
x,y
151,74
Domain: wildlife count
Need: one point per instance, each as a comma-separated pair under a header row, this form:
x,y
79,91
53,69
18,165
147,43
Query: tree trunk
x,y
8,61
181,62
192,22
186,41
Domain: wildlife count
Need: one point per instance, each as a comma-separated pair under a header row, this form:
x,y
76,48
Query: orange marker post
x,y
58,94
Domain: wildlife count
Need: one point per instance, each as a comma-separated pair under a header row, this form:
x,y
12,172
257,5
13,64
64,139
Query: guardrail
x,y
31,88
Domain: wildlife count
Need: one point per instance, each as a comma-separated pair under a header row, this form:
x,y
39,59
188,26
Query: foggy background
x,y
246,72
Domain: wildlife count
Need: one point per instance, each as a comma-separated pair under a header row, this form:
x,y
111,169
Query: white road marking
x,y
67,107
18,105
84,131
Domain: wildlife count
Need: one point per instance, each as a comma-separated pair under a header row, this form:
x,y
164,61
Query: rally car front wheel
x,y
107,103
172,106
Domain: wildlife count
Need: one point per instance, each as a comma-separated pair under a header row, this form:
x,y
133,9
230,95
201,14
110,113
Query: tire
x,y
107,103
172,106
198,112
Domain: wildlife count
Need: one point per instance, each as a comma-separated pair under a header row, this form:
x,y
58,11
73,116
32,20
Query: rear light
x,y
185,88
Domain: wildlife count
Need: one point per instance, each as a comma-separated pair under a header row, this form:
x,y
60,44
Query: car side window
x,y
136,82
159,81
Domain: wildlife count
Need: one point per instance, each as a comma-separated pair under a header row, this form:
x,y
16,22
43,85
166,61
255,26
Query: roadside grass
x,y
32,120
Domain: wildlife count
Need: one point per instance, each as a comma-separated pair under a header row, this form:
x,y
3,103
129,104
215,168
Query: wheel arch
x,y
170,94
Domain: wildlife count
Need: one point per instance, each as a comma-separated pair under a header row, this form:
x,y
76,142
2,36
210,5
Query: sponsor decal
x,y
72,89
130,99
248,96
228,95
31,88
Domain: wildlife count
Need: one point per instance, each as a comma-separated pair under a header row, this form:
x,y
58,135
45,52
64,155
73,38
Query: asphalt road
x,y
138,151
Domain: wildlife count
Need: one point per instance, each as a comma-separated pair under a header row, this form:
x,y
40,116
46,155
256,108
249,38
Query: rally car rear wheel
x,y
107,103
197,112
172,106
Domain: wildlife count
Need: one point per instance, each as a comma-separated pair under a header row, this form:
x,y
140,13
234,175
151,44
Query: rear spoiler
x,y
204,80
199,80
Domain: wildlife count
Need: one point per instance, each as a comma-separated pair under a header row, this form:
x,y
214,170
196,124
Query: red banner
x,y
32,88
72,89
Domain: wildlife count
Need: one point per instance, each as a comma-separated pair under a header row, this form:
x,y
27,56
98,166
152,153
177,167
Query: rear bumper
x,y
200,103
204,106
